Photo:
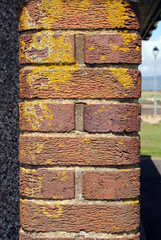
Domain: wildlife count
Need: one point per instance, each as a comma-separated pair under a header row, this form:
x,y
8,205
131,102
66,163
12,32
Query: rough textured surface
x,y
47,117
55,149
78,150
112,117
134,237
73,82
47,183
46,47
79,15
123,47
9,167
28,236
44,217
120,184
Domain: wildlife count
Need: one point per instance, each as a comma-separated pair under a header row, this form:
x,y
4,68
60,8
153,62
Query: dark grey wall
x,y
9,167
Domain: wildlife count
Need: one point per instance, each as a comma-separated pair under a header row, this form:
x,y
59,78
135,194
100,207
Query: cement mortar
x,y
9,127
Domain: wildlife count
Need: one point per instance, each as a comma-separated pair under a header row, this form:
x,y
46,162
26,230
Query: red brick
x,y
69,14
112,48
115,184
78,150
73,82
47,183
46,47
46,116
112,117
110,218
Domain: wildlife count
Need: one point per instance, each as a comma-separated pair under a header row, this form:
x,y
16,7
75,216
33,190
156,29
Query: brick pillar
x,y
79,117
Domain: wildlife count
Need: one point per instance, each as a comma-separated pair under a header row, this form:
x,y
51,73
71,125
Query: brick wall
x,y
79,117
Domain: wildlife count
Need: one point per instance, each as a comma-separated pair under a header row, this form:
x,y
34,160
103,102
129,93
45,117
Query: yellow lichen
x,y
116,13
115,227
121,141
103,58
25,22
49,161
86,140
57,215
62,145
137,48
123,77
29,110
64,176
51,11
43,78
57,49
102,109
33,190
125,117
91,48
127,38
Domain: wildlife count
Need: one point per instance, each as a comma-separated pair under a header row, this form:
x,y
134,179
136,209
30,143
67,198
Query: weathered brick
x,y
47,183
46,47
112,117
115,184
110,218
79,15
46,116
73,82
39,149
123,47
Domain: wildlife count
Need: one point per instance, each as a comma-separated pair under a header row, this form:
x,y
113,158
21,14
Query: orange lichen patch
x,y
29,111
50,212
46,47
123,77
127,38
44,78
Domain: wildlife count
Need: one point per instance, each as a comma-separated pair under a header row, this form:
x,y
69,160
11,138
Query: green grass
x,y
151,139
148,96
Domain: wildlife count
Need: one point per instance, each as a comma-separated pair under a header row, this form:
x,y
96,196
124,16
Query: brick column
x,y
79,117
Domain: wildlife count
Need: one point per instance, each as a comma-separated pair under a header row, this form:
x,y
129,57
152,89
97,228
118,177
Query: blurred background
x,y
151,136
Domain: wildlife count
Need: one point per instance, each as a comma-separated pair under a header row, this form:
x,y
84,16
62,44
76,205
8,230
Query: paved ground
x,y
151,197
148,109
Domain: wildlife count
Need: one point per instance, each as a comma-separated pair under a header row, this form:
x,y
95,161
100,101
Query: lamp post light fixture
x,y
155,53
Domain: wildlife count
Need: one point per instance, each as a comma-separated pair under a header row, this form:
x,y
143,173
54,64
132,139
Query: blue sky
x,y
147,66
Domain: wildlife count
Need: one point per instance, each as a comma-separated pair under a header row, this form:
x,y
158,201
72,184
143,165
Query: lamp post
x,y
155,53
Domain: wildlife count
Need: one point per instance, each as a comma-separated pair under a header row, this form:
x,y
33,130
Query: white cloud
x,y
147,66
